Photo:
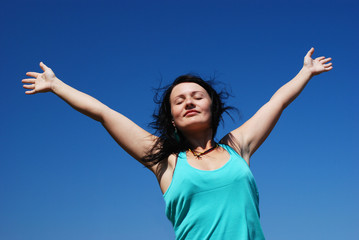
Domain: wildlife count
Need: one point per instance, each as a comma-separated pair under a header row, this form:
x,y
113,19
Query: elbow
x,y
101,113
97,113
279,103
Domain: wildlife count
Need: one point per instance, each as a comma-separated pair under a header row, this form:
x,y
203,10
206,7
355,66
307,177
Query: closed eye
x,y
198,96
178,101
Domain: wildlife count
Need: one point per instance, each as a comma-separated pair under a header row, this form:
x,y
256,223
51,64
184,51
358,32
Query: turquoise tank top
x,y
220,204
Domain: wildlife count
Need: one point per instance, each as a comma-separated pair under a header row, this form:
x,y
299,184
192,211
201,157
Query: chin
x,y
196,126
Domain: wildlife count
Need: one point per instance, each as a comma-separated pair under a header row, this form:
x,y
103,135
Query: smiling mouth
x,y
192,112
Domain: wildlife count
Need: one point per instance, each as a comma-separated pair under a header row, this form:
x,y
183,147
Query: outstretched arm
x,y
48,82
133,139
247,138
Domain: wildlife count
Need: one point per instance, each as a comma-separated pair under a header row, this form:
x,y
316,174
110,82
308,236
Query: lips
x,y
191,112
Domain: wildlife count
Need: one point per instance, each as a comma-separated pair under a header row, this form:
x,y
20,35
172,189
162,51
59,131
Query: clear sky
x,y
63,177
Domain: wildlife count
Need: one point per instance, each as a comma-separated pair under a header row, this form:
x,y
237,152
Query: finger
x,y
31,86
43,66
310,52
328,65
32,74
28,80
329,68
326,60
320,58
30,92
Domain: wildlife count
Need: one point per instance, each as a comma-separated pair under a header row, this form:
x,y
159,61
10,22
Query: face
x,y
190,107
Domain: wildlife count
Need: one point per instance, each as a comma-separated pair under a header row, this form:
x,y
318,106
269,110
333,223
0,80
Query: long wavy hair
x,y
169,140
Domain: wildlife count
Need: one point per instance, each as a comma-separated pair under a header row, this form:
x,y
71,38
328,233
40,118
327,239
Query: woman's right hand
x,y
41,82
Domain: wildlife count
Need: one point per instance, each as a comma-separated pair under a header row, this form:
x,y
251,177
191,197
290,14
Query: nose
x,y
189,103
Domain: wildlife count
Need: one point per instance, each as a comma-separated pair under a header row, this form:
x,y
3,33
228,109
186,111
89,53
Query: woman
x,y
208,188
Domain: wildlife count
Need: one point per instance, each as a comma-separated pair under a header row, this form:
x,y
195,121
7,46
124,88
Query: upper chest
x,y
208,162
212,165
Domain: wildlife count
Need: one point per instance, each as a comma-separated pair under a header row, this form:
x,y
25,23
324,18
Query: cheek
x,y
208,107
209,111
175,112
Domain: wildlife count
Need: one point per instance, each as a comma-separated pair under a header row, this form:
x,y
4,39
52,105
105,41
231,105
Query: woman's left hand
x,y
318,65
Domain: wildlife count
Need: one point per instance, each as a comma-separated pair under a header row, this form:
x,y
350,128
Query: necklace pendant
x,y
199,155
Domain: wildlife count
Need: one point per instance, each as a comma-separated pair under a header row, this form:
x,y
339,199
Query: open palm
x,y
318,65
41,82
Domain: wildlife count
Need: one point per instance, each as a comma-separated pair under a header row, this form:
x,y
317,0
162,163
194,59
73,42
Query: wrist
x,y
305,71
55,85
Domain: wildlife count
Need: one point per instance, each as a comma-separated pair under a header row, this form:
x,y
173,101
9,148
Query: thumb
x,y
43,66
310,52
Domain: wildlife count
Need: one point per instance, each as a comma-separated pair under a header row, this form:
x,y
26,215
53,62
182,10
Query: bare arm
x,y
247,138
133,139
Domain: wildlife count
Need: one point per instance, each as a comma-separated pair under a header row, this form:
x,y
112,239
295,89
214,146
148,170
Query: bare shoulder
x,y
234,141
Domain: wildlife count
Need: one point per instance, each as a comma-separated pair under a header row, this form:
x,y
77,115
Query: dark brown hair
x,y
168,143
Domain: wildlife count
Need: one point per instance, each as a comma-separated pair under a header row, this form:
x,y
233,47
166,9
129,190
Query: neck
x,y
200,141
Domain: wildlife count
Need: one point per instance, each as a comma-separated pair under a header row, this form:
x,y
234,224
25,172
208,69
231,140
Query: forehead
x,y
186,88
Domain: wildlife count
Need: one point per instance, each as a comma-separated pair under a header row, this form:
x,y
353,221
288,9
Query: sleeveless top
x,y
220,204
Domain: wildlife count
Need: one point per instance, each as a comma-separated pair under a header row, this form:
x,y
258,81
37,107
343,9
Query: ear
x,y
173,123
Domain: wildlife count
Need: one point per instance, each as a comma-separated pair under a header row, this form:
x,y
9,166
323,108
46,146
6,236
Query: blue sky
x,y
63,177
